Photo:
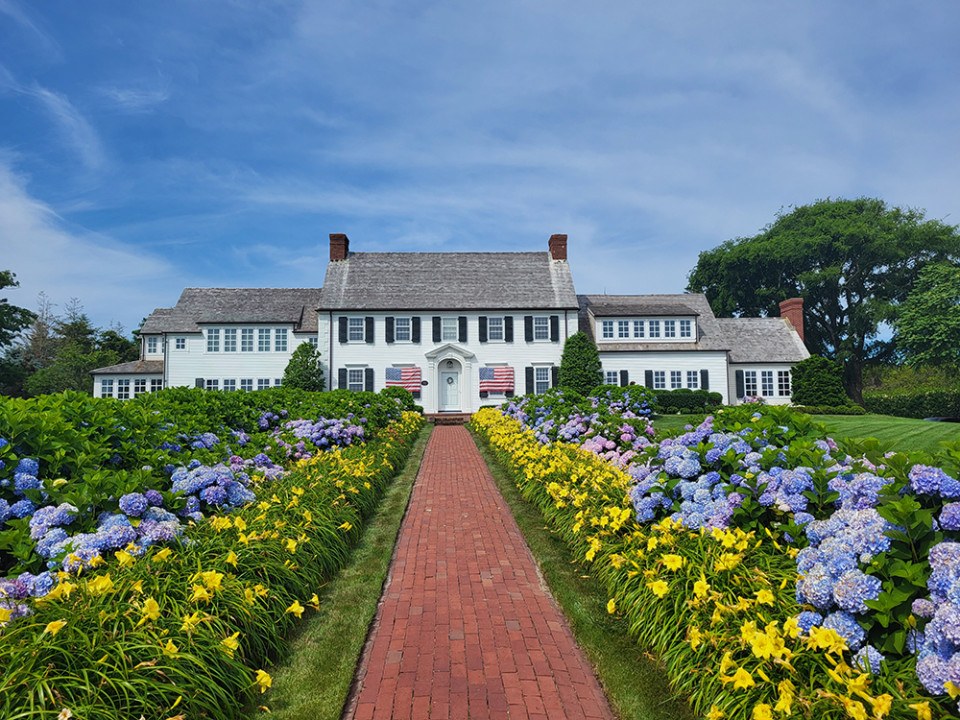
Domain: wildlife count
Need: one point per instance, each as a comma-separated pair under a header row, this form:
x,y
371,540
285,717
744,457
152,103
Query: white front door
x,y
450,390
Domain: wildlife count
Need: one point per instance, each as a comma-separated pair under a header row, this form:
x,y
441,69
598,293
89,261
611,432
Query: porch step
x,y
449,418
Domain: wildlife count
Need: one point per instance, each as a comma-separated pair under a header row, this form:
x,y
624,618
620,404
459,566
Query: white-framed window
x,y
180,343
686,329
277,382
669,328
623,329
659,379
156,384
246,384
153,344
541,327
638,328
314,341
611,377
766,383
541,379
654,327
783,383
106,387
213,339
676,379
213,384
495,329
280,339
355,379
139,386
607,329
750,383
402,329
693,380
263,383
123,389
229,385
246,340
450,329
263,339
356,329
229,339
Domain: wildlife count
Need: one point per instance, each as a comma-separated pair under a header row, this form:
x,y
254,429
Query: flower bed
x,y
773,573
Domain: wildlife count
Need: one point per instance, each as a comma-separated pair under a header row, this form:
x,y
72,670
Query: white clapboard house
x,y
460,330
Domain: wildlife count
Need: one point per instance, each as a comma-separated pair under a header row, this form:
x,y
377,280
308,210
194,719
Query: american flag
x,y
496,379
405,377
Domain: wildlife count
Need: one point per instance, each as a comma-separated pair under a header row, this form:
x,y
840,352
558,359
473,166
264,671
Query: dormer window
x,y
686,328
669,328
654,327
623,329
152,345
607,326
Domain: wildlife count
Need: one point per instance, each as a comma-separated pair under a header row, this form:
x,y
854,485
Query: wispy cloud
x,y
13,11
134,99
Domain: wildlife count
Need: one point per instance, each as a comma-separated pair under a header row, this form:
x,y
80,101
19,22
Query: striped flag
x,y
405,377
497,379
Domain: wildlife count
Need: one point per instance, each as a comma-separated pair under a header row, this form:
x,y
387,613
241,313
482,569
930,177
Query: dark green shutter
x,y
483,330
554,376
389,330
624,378
436,329
368,379
198,382
554,328
342,378
508,328
463,328
529,377
368,335
704,380
741,390
648,378
343,330
528,328
415,330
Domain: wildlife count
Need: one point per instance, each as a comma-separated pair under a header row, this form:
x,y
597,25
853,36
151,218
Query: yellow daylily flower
x,y
263,680
5,615
761,711
296,608
742,679
923,710
124,558
151,611
190,622
701,587
881,705
232,558
231,643
658,588
611,606
291,545
200,594
715,713
346,526
161,556
54,627
672,562
170,649
764,597
100,585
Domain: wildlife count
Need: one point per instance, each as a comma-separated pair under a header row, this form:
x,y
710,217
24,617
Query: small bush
x,y
304,371
819,381
686,401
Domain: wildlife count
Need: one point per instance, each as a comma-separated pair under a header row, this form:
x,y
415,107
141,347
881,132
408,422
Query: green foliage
x,y
829,409
936,403
304,370
13,319
403,397
580,368
928,324
852,261
896,379
70,370
685,401
818,381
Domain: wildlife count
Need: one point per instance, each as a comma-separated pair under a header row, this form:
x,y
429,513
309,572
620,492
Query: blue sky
x,y
145,147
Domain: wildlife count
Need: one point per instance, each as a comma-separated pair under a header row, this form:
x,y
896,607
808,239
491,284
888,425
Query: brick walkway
x,y
465,629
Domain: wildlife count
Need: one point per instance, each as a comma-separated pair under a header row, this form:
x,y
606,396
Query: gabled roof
x,y
198,306
758,340
137,367
448,281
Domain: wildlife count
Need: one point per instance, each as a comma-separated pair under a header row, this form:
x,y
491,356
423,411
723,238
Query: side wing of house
x,y
762,355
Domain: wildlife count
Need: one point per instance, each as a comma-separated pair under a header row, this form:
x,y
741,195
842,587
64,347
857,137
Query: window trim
x,y
179,343
611,377
356,329
230,340
693,380
544,321
498,324
659,379
607,330
537,369
781,376
213,340
449,329
351,382
281,340
106,387
398,323
264,339
750,380
246,340
153,345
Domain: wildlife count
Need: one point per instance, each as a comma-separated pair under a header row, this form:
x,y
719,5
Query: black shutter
x,y
463,328
624,378
508,328
741,390
483,330
648,378
554,328
415,330
554,376
368,321
704,380
343,330
484,393
528,328
389,330
436,329
342,378
529,374
198,382
368,379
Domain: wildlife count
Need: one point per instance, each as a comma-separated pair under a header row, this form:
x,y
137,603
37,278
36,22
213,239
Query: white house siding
x,y
152,381
776,398
430,356
638,363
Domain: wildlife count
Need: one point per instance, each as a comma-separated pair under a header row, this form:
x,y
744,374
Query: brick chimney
x,y
792,311
558,247
339,246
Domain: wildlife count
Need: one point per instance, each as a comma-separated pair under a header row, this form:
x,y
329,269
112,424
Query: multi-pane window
x,y
355,329
153,344
263,383
280,339
263,339
686,329
450,329
676,379
229,385
246,384
229,339
693,379
766,383
106,387
541,379
180,343
314,340
401,329
139,386
638,328
607,329
654,327
213,384
670,328
659,380
246,340
156,384
123,389
623,328
611,377
750,383
277,382
355,379
213,340
783,383
541,328
494,328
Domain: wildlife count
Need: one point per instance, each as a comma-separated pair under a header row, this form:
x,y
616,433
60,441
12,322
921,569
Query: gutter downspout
x,y
330,335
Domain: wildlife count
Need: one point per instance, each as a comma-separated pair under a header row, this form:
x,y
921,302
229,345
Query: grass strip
x,y
314,679
636,685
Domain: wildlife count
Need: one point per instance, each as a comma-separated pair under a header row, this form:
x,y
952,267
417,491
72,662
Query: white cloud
x,y
133,99
16,13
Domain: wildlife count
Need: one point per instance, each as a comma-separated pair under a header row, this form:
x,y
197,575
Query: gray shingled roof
x,y
198,306
137,367
448,281
754,340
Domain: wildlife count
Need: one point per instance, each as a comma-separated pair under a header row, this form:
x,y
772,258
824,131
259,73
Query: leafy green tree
x,y
852,261
70,370
13,319
928,325
580,368
819,381
304,370
113,340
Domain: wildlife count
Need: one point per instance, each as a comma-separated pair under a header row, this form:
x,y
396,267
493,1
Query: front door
x,y
450,390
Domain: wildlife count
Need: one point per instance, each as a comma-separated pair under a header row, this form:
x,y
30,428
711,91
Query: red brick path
x,y
465,629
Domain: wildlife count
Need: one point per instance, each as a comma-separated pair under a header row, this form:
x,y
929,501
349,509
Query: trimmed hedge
x,y
685,401
936,403
818,381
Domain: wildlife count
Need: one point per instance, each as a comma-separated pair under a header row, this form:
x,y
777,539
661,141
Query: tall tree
x,y
304,370
928,325
580,367
13,319
852,261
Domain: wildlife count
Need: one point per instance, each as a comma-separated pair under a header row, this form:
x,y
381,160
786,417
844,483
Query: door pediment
x,y
450,350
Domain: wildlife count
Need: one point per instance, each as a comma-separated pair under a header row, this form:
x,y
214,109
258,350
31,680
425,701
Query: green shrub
x,y
936,403
580,368
304,370
403,397
686,401
819,381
